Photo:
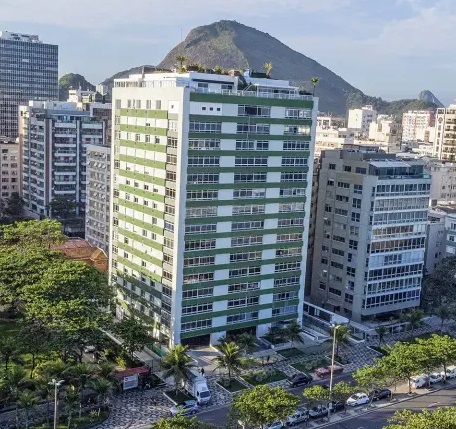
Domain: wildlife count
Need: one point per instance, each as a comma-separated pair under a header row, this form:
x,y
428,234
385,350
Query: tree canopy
x,y
181,422
439,288
441,418
134,334
263,404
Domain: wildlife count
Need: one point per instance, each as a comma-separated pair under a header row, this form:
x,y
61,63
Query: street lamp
x,y
56,385
334,328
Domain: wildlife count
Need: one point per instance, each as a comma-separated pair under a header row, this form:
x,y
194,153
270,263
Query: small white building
x,y
10,167
415,125
360,119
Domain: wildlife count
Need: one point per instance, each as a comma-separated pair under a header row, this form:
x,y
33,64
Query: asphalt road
x,y
377,418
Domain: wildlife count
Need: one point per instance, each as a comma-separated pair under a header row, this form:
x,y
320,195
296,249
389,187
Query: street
x,y
377,418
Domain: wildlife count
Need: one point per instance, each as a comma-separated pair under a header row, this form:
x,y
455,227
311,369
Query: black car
x,y
299,379
376,395
318,411
337,406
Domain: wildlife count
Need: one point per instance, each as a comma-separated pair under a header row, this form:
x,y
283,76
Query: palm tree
x,y
381,332
268,68
45,391
14,381
181,59
8,350
342,336
294,331
413,319
106,370
176,363
80,375
26,401
444,313
103,390
218,69
230,358
314,81
245,341
71,403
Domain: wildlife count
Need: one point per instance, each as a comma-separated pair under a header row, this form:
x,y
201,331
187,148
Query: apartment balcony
x,y
64,182
261,94
64,191
64,164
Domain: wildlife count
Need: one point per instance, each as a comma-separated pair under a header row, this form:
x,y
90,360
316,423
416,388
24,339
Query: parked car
x,y
300,379
318,411
376,395
336,369
357,399
435,377
184,409
337,406
275,425
300,416
322,372
450,372
419,381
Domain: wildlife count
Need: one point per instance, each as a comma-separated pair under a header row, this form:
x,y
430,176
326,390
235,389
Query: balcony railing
x,y
237,93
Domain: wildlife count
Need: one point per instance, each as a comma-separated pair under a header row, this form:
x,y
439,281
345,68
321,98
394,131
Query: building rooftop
x,y
19,37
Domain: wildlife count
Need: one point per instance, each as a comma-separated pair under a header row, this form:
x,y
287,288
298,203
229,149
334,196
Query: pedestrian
x,y
262,360
202,372
267,359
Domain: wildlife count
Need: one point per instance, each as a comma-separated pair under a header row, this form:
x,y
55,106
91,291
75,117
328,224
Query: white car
x,y
450,372
299,416
419,381
435,377
275,425
357,399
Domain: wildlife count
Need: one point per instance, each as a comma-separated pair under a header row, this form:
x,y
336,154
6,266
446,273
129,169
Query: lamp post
x,y
334,327
56,385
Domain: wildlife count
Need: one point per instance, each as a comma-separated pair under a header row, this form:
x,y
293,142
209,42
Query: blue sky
x,y
387,48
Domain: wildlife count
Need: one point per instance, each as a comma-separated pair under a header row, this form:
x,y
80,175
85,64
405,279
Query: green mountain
x,y
230,44
72,80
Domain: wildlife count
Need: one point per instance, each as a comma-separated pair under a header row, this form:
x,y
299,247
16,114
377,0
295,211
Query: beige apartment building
x,y
10,178
370,234
445,133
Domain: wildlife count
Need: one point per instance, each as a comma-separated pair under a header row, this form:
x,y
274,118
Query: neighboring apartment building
x,y
435,237
28,71
370,233
332,138
328,122
98,195
445,133
450,231
386,132
360,119
54,136
210,203
10,168
415,123
443,183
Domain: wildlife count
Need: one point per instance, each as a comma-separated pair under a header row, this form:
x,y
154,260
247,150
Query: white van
x,y
419,381
450,372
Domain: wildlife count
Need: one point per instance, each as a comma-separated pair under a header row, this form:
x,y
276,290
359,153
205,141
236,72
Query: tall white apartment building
x,y
370,234
54,137
210,202
445,133
360,119
443,183
10,168
415,123
332,138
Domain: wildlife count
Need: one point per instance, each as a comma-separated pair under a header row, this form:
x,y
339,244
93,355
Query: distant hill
x,y
72,80
427,95
230,44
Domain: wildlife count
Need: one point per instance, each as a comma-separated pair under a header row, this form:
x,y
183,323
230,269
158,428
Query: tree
x,y
181,422
401,363
439,288
106,370
181,60
36,340
41,233
294,331
71,403
230,358
371,377
263,404
218,69
436,352
8,349
62,207
342,336
245,341
80,376
133,333
268,68
444,313
316,393
26,401
314,81
14,381
413,319
14,205
342,391
381,332
176,364
441,418
104,391
70,299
